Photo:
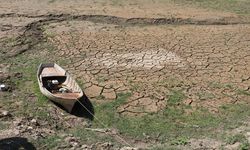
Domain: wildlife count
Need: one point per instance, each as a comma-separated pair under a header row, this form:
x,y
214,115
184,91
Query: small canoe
x,y
56,84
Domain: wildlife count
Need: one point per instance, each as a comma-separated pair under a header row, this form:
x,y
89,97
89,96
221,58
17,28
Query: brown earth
x,y
142,56
148,49
149,61
127,9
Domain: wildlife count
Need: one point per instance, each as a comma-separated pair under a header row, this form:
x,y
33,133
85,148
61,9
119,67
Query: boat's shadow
x,y
82,108
15,143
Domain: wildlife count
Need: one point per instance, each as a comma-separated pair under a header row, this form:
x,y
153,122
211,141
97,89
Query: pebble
x,y
34,122
107,144
3,87
128,148
5,113
74,144
84,146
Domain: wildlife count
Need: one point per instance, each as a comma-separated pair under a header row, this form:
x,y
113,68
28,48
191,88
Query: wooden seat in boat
x,y
67,95
51,71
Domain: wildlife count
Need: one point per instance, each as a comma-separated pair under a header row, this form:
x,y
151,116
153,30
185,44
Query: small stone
x,y
33,121
74,144
128,148
106,145
3,87
63,135
84,146
67,139
5,113
30,128
188,101
18,122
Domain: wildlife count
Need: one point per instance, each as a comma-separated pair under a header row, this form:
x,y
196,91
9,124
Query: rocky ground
x,y
157,75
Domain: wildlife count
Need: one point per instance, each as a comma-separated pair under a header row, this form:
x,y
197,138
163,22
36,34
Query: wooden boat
x,y
56,84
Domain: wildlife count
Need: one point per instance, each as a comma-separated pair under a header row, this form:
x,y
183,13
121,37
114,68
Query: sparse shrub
x,y
236,138
180,141
176,97
245,146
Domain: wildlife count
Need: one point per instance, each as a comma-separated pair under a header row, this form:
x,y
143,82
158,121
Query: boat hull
x,y
65,100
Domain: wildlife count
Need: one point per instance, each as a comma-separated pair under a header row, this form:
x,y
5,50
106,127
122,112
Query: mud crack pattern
x,y
147,57
150,62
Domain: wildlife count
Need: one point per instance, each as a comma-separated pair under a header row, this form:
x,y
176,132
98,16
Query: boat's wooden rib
x,y
48,72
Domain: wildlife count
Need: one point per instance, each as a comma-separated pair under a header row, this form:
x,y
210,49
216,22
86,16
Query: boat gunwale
x,y
48,93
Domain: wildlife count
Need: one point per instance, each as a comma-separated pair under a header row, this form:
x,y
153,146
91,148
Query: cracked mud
x,y
112,55
151,61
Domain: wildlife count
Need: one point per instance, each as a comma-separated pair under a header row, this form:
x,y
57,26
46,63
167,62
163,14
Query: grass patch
x,y
180,141
135,86
243,92
239,138
101,79
205,95
176,97
3,126
51,1
171,82
173,124
236,138
80,83
245,146
49,142
91,136
217,85
170,122
107,112
236,6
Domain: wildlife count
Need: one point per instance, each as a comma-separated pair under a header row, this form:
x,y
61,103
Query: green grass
x,y
91,136
173,123
240,138
236,6
218,85
205,95
49,142
243,92
245,146
176,97
106,112
236,138
171,83
51,1
2,126
180,141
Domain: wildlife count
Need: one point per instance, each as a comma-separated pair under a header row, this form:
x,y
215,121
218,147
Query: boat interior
x,y
52,87
58,83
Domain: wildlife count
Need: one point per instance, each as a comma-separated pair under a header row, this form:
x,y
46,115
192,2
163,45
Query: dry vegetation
x,y
159,74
